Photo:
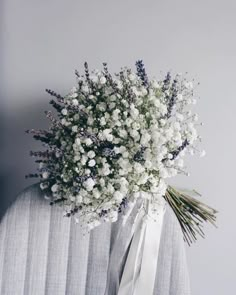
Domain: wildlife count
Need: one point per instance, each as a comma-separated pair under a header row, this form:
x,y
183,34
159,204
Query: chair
x,y
42,252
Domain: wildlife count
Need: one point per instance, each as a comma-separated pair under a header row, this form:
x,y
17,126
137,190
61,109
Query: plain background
x,y
42,42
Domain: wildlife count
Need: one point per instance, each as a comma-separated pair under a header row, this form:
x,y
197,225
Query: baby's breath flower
x,y
103,80
64,112
92,163
116,140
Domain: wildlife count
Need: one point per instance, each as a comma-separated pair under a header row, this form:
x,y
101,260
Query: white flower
x,y
54,188
73,90
86,200
189,85
128,122
138,167
180,117
74,95
155,84
79,199
85,88
123,133
83,192
156,135
107,205
162,109
125,154
96,193
84,160
135,90
145,139
92,163
103,80
88,141
102,106
103,121
132,77
115,114
89,184
77,141
164,173
87,171
105,170
118,196
91,154
180,96
116,150
148,164
102,182
110,188
143,178
169,133
43,185
41,165
112,105
107,134
177,136
75,102
156,102
64,122
76,117
94,78
119,84
90,120
45,175
134,112
176,126
123,172
135,134
162,122
74,128
109,137
144,91
64,112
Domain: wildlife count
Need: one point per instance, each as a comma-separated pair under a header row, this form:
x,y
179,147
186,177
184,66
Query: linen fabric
x,y
42,252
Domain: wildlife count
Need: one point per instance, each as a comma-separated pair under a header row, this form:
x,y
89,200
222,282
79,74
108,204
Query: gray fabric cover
x,y
43,253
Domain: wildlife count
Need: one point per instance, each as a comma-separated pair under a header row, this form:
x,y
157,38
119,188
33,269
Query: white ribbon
x,y
141,265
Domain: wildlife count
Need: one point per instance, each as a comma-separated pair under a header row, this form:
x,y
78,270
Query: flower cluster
x,y
115,139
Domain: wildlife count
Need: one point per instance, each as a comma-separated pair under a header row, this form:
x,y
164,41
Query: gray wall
x,y
42,42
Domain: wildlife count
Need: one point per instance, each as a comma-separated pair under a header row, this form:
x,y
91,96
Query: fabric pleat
x,y
42,252
37,254
16,248
77,261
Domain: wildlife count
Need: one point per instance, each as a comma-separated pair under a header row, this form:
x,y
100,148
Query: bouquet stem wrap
x,y
141,265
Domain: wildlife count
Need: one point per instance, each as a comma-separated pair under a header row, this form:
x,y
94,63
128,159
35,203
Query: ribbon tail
x,y
132,264
146,280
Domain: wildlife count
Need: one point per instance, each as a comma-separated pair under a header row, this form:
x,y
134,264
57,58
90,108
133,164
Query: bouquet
x,y
117,139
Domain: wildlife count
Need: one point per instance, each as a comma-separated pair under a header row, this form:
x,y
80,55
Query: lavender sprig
x,y
53,93
141,72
